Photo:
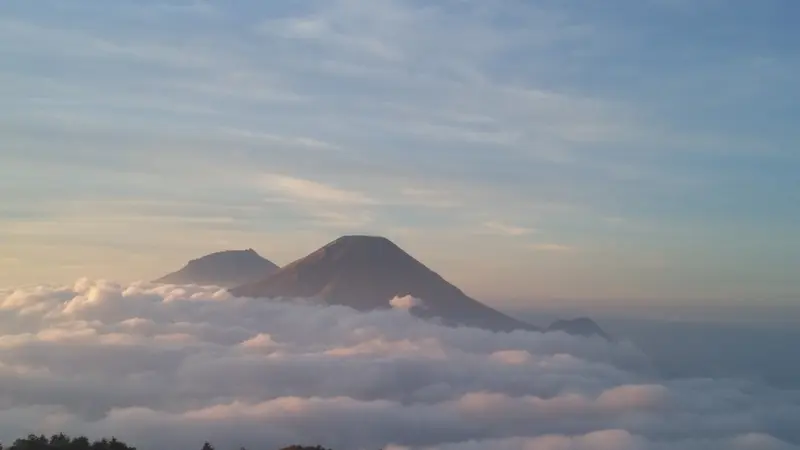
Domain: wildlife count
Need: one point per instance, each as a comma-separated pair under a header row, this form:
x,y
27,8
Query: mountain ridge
x,y
366,272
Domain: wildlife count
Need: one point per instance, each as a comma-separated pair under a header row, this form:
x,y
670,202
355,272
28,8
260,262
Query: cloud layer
x,y
177,365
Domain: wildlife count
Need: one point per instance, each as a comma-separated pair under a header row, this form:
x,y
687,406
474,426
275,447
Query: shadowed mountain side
x,y
227,269
580,327
366,273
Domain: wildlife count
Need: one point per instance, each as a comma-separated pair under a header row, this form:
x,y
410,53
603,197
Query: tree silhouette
x,y
62,441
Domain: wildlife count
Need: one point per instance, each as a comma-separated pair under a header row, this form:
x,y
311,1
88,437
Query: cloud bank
x,y
176,365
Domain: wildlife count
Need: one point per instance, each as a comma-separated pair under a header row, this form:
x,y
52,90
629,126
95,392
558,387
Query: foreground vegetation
x,y
64,442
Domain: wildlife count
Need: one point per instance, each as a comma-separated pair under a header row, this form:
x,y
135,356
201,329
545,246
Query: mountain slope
x,y
366,273
582,326
227,269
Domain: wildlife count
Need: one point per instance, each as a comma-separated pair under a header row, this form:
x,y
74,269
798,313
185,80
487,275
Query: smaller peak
x,y
225,255
222,268
227,252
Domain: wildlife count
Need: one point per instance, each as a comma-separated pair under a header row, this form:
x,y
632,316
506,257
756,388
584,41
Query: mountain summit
x,y
227,269
367,273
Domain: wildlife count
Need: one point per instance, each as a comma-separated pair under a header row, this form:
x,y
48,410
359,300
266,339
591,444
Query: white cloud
x,y
619,440
407,302
175,365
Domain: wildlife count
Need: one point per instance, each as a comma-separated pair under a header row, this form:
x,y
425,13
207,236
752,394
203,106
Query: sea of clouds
x,y
173,366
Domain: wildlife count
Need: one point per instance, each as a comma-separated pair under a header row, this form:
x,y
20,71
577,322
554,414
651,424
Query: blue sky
x,y
636,150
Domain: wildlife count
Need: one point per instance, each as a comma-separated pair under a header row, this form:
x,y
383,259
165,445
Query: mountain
x,y
367,273
580,327
227,269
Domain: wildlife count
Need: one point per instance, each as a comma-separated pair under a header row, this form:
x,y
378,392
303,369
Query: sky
x,y
635,151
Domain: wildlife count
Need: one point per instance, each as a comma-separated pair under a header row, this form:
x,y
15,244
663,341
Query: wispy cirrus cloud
x,y
277,139
314,192
78,43
322,204
504,229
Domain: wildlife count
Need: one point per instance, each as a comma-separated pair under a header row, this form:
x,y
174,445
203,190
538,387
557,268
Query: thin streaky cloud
x,y
505,229
269,138
313,191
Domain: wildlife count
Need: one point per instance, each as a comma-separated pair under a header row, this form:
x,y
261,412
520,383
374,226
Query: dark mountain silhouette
x,y
227,269
366,273
582,326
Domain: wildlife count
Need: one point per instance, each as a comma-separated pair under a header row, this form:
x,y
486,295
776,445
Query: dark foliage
x,y
64,442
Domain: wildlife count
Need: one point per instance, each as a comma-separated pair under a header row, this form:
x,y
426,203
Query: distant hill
x,y
227,269
367,273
